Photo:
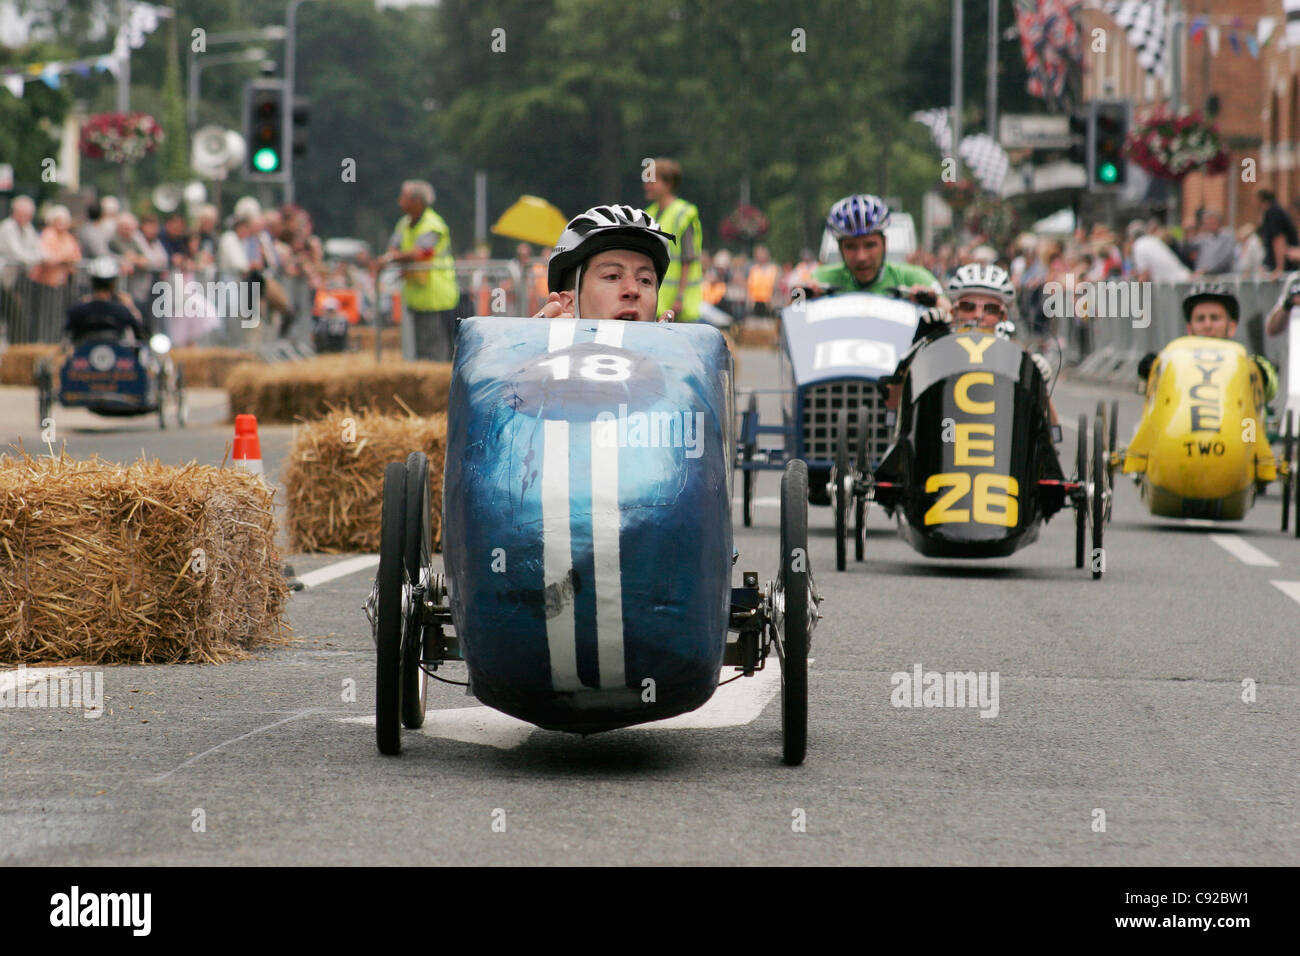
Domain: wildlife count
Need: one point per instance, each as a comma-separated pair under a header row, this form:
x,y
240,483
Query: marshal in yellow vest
x,y
677,218
431,287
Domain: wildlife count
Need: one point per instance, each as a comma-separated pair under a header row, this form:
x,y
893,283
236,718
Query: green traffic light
x,y
1108,172
266,160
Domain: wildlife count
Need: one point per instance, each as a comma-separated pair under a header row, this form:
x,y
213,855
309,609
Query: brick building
x,y
1256,98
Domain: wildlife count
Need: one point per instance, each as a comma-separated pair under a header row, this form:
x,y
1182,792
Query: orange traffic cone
x,y
247,451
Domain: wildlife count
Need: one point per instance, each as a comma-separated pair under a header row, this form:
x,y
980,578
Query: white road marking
x,y
557,557
606,527
233,740
1201,523
736,704
342,569
772,502
1072,426
1290,588
9,679
1242,551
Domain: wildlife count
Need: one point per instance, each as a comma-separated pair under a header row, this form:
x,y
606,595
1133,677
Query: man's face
x,y
1212,222
619,284
23,212
864,255
655,190
409,204
1211,319
980,307
150,228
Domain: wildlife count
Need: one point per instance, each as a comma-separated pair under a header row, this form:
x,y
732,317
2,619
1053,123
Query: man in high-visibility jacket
x,y
429,291
680,291
761,282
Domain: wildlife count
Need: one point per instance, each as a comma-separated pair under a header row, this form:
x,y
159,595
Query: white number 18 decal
x,y
598,368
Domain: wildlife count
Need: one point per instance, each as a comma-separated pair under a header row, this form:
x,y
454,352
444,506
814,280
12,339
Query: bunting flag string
x,y
141,21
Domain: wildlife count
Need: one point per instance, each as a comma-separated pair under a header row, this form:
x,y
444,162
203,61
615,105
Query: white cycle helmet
x,y
977,277
608,227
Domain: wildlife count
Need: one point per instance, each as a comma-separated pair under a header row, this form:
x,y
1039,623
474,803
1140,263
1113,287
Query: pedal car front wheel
x,y
389,618
793,579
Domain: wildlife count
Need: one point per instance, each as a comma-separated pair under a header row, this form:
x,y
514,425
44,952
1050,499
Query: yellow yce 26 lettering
x,y
994,499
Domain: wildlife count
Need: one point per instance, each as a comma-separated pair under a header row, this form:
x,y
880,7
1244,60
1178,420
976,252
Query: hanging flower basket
x,y
995,219
959,194
1171,145
744,223
120,137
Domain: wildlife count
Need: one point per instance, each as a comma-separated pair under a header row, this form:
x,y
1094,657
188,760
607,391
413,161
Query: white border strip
x,y
557,554
1242,551
562,333
610,332
605,527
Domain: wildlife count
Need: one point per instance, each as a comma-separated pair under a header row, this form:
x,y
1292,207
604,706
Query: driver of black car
x,y
104,315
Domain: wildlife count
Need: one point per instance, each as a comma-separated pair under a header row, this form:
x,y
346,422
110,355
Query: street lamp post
x,y
286,110
197,65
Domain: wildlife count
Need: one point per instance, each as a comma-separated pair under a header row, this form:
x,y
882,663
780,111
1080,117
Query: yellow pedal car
x,y
1202,449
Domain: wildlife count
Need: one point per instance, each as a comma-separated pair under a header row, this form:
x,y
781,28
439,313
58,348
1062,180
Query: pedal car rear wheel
x,y
749,477
1288,480
182,400
1098,500
838,497
388,616
793,579
418,548
1081,506
45,394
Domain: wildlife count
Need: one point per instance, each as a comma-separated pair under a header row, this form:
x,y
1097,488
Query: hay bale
x,y
758,333
286,391
363,336
107,563
334,476
18,362
209,367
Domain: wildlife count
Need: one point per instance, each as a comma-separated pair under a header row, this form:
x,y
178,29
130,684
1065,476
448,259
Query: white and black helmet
x,y
608,227
977,277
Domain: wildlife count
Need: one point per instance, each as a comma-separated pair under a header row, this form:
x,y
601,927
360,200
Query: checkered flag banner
x,y
1144,22
986,159
937,122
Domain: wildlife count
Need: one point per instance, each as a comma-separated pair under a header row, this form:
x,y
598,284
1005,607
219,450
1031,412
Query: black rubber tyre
x,y
1288,482
182,400
749,477
1098,500
417,548
388,616
793,578
838,496
164,396
1081,511
1112,444
860,501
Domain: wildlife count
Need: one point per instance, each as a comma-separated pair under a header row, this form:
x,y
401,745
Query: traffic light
x,y
301,117
264,129
1078,152
1108,122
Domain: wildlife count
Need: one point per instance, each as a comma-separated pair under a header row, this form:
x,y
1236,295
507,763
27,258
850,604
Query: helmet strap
x,y
577,292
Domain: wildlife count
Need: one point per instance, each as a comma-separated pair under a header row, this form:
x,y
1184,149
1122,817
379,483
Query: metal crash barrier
x,y
1109,342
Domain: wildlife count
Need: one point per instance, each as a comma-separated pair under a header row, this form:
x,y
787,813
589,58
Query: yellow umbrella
x,y
531,219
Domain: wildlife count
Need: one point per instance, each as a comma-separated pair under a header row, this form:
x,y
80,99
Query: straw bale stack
x,y
334,476
18,362
209,367
758,333
286,391
107,563
363,336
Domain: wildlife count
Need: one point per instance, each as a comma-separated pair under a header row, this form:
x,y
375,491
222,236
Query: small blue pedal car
x,y
115,379
587,536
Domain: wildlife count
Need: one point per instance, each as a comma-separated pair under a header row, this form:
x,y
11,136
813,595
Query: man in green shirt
x,y
858,223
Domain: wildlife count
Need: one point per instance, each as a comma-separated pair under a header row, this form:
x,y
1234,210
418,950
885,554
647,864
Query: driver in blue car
x,y
858,223
103,313
608,264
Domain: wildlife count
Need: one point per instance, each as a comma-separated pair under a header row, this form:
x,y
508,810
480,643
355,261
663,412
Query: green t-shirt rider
x,y
858,224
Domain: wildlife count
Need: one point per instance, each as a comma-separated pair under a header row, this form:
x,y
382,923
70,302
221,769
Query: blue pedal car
x,y
115,379
586,535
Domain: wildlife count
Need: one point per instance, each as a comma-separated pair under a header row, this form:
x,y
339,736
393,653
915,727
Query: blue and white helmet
x,y
858,215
